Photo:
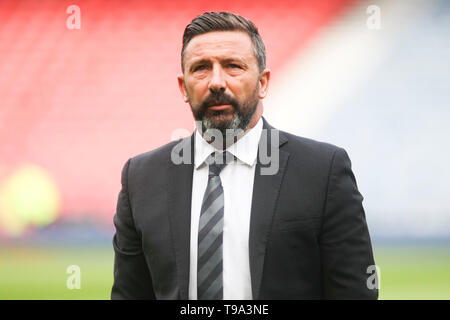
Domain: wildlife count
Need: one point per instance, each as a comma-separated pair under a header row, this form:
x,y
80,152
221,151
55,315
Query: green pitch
x,y
414,272
41,272
38,272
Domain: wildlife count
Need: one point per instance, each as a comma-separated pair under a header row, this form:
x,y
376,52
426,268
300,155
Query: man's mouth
x,y
220,107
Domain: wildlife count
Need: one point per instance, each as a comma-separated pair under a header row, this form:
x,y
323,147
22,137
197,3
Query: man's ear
x,y
264,80
182,87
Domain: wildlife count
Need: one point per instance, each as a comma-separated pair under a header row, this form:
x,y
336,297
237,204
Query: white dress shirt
x,y
237,181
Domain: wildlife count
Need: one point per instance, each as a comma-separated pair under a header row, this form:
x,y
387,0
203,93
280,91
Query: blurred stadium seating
x,y
79,103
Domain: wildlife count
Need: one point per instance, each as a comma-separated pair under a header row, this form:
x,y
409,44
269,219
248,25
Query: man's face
x,y
221,80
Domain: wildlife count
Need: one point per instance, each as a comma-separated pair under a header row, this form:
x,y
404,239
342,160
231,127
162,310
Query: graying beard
x,y
235,123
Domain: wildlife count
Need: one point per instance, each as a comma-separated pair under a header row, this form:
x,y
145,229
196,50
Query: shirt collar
x,y
245,149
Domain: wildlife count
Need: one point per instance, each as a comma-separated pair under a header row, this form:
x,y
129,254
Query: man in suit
x,y
213,216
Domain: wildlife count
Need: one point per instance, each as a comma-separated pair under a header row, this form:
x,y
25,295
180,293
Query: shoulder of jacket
x,y
303,144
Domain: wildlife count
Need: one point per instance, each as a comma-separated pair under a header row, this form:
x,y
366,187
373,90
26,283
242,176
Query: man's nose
x,y
217,81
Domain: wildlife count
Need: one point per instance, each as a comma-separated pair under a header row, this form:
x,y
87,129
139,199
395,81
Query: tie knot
x,y
217,161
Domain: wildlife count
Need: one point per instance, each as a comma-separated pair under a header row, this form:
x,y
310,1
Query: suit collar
x,y
282,135
266,189
179,186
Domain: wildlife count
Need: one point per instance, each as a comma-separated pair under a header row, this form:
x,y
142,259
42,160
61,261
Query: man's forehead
x,y
222,43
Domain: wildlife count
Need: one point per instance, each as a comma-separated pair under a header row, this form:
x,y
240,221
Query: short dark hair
x,y
224,21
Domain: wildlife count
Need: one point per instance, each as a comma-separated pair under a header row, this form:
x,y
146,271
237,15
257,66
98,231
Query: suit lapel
x,y
179,186
265,195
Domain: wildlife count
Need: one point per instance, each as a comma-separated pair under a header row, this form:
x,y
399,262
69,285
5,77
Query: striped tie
x,y
209,263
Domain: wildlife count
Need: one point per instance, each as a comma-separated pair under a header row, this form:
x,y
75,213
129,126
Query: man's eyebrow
x,y
233,59
225,60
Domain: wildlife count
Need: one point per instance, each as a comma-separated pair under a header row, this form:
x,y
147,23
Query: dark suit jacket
x,y
308,233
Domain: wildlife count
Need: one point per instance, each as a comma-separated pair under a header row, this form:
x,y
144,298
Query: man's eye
x,y
232,65
200,67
